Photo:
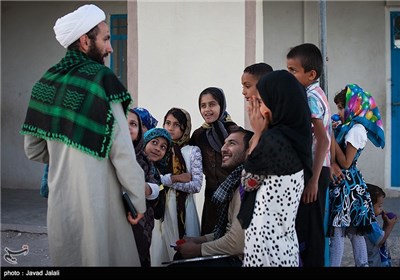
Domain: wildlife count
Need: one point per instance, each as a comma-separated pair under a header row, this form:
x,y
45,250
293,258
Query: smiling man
x,y
228,235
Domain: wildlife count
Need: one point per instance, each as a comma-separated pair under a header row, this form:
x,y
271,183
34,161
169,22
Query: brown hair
x,y
375,192
340,97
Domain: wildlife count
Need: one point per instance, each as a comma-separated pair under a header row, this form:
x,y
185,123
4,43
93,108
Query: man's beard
x,y
95,54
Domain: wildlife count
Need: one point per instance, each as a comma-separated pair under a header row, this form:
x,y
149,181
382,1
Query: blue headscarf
x,y
147,119
155,133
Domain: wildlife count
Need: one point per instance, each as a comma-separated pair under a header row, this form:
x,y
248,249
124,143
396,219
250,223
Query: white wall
x,y
355,49
185,47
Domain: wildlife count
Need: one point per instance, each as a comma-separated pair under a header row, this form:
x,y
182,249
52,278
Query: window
x,y
119,31
396,31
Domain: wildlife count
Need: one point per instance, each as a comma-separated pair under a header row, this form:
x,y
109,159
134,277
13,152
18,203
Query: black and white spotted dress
x,y
271,239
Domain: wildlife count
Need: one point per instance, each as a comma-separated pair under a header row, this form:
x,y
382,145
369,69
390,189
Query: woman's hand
x,y
257,121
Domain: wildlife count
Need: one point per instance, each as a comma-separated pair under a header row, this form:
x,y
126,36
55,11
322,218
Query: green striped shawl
x,y
71,104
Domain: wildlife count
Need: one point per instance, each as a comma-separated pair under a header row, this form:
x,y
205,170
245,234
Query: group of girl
x,y
273,179
174,162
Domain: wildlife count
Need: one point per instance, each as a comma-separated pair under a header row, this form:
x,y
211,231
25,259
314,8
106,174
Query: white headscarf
x,y
70,27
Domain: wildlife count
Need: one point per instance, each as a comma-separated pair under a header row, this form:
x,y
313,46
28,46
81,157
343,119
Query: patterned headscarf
x,y
176,163
147,119
361,108
155,133
216,132
186,134
187,125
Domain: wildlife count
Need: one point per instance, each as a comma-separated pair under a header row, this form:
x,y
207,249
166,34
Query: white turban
x,y
70,27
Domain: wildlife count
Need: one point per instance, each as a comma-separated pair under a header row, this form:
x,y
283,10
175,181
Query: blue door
x,y
395,93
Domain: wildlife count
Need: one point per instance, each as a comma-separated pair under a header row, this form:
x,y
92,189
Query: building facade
x,y
175,49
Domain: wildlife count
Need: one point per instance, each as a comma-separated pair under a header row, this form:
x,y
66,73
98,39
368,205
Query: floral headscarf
x,y
186,134
361,108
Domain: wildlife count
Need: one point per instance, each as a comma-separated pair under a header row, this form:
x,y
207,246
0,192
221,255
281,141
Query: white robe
x,y
86,221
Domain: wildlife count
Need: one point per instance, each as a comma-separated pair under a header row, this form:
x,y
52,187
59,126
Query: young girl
x,y
210,138
157,148
158,145
351,210
185,175
378,251
142,231
273,176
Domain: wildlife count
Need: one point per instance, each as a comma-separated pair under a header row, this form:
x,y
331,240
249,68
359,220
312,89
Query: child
x,y
185,175
273,175
305,63
351,209
158,145
378,251
143,230
209,138
250,77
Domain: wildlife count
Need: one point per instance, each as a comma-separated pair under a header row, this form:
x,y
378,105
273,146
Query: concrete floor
x,y
23,222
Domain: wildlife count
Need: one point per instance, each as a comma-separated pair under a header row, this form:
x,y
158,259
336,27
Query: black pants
x,y
310,225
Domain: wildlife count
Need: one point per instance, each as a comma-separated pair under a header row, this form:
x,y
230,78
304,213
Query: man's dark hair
x,y
310,57
92,34
247,135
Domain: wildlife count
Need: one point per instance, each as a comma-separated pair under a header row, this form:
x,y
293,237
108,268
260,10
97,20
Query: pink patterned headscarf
x,y
361,108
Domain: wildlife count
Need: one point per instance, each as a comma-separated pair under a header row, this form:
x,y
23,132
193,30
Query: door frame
x,y
388,131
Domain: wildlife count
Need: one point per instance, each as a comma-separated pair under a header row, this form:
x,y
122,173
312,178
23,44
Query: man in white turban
x,y
76,123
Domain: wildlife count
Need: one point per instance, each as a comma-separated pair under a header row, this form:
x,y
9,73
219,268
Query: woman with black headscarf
x,y
279,159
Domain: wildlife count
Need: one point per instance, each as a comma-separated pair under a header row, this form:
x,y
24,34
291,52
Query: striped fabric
x,y
71,104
